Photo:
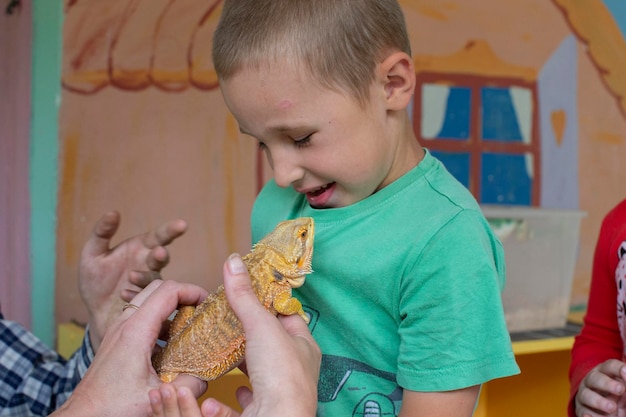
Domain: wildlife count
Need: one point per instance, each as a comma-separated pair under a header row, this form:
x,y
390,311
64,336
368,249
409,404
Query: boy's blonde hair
x,y
339,42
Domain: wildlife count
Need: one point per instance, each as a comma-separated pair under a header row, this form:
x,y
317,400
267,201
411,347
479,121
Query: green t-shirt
x,y
405,292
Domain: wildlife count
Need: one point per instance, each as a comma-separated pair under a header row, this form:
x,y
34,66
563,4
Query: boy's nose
x,y
286,172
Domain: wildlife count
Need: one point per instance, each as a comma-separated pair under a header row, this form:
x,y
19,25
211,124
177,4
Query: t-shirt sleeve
x,y
453,332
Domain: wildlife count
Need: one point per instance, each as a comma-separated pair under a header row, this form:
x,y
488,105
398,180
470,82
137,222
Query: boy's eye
x,y
302,142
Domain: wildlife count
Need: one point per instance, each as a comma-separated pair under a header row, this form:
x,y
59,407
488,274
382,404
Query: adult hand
x,y
601,392
118,381
282,361
109,276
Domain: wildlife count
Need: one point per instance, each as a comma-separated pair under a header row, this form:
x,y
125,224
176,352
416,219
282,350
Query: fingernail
x,y
235,264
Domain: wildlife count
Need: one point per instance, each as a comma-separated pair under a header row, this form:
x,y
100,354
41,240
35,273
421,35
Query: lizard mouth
x,y
296,282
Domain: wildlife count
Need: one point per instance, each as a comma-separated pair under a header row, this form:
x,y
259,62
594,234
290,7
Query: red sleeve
x,y
600,338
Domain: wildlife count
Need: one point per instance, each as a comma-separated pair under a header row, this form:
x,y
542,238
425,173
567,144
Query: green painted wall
x,y
46,95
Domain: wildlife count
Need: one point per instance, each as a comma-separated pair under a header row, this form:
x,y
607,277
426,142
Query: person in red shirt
x,y
598,369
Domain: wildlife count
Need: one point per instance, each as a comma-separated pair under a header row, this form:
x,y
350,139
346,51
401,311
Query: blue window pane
x,y
457,163
499,119
456,123
445,112
505,180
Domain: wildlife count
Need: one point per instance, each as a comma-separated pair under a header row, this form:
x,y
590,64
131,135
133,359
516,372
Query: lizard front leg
x,y
181,319
287,305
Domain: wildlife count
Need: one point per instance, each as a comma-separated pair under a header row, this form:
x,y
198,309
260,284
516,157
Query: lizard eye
x,y
278,276
303,234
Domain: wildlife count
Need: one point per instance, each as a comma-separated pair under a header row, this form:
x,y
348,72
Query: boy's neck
x,y
409,154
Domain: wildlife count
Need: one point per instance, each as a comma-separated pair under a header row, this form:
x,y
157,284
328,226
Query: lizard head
x,y
292,241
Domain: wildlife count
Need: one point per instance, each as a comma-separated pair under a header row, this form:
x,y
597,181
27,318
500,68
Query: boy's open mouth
x,y
319,197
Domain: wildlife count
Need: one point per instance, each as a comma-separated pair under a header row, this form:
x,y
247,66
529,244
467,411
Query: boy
x,y
405,299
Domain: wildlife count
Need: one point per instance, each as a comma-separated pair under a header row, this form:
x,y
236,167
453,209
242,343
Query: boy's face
x,y
319,141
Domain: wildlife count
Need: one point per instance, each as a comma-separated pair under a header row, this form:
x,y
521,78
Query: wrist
x,y
90,349
94,334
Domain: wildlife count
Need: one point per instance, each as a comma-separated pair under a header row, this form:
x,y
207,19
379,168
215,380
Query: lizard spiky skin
x,y
208,340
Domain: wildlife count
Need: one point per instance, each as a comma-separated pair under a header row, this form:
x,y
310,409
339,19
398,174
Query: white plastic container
x,y
541,247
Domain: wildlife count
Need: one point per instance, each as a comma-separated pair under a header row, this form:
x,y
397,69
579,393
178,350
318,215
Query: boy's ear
x,y
398,76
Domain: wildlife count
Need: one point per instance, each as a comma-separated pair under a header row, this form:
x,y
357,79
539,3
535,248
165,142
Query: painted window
x,y
485,133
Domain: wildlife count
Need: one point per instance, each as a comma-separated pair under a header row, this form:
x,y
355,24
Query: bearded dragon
x,y
207,341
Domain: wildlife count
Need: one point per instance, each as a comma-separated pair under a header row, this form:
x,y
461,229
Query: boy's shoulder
x,y
441,187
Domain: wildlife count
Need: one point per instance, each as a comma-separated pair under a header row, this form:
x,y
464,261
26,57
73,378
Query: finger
x,y
157,258
295,326
611,367
161,298
239,292
103,231
589,399
196,386
213,408
170,400
165,233
244,396
135,302
127,294
621,406
605,379
156,403
141,296
142,278
187,403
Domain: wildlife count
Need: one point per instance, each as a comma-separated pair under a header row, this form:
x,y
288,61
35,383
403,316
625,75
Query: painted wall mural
x,y
133,45
523,101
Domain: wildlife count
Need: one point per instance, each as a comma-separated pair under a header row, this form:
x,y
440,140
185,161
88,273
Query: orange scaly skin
x,y
208,340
